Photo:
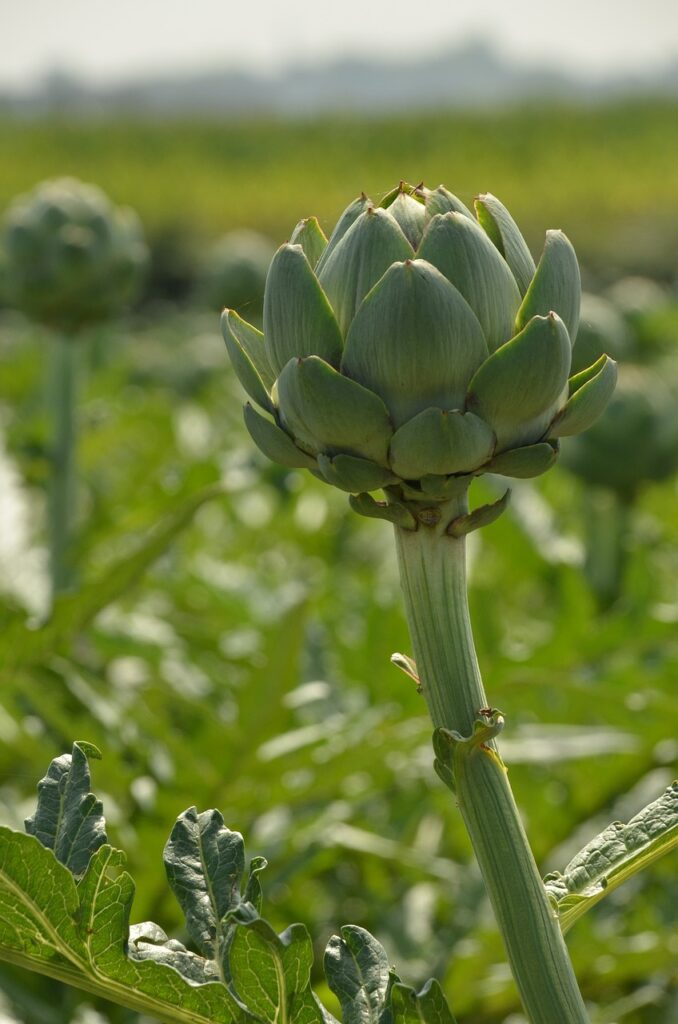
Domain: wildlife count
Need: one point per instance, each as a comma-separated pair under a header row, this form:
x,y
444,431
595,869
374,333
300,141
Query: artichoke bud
x,y
418,347
71,258
635,442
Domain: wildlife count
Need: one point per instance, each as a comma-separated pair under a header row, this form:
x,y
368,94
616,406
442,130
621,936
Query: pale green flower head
x,y
70,257
418,346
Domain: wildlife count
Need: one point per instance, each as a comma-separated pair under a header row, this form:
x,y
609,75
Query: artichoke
x,y
235,272
636,441
418,346
70,258
602,330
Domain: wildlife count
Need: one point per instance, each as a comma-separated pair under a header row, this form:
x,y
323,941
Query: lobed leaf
x,y
205,862
69,819
613,856
357,971
426,1007
271,973
78,934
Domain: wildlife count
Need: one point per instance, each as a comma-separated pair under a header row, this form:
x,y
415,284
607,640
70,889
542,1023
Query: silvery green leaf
x,y
271,973
501,228
147,941
354,475
590,391
298,319
69,819
426,1007
524,463
415,342
310,236
369,247
325,411
518,390
241,360
357,971
410,213
615,855
275,444
205,862
556,285
440,200
440,442
461,250
350,214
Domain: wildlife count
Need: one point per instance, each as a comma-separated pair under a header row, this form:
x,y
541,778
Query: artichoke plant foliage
x,y
68,256
416,348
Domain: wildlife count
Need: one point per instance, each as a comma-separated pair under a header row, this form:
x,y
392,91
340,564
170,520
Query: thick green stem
x,y
61,392
433,578
607,528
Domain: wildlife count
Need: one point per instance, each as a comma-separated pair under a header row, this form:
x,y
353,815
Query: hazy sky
x,y
107,40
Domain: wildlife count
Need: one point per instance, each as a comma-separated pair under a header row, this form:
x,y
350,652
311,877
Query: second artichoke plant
x,y
417,345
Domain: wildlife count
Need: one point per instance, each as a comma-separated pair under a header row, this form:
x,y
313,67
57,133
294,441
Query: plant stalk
x,y
433,578
61,398
608,518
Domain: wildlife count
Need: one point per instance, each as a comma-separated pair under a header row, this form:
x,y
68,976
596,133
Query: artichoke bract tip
x,y
419,345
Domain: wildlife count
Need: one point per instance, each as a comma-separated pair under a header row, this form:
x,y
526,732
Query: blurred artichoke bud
x,y
420,344
234,273
636,440
602,330
636,296
70,258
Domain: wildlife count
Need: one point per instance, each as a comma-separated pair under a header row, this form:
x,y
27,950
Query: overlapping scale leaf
x,y
518,389
461,250
524,463
590,391
274,443
325,411
366,251
242,341
311,237
410,214
353,474
350,214
441,200
556,285
438,441
298,319
415,342
505,233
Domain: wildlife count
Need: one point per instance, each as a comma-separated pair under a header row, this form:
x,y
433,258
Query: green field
x,y
240,658
605,174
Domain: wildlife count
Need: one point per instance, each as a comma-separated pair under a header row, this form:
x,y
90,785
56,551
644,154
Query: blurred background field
x,y
604,173
227,640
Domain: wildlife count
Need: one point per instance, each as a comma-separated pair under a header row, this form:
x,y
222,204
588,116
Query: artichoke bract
x,y
419,345
69,256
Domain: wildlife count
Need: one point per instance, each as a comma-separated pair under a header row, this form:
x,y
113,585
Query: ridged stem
x,y
61,398
433,578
